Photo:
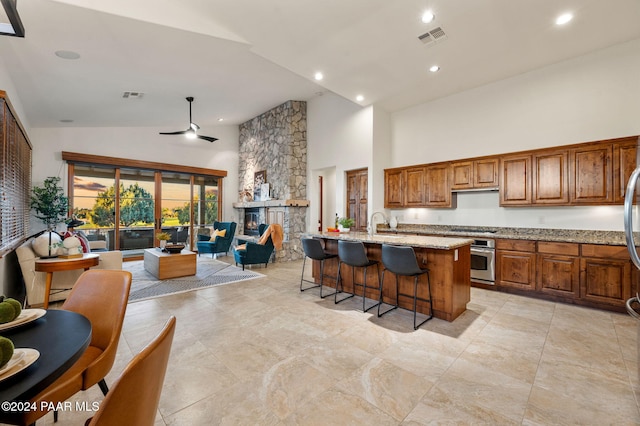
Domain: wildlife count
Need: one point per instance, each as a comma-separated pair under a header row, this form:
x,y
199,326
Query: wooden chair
x,y
101,296
133,399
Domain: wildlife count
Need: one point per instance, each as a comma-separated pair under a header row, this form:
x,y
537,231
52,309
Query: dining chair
x,y
101,296
134,397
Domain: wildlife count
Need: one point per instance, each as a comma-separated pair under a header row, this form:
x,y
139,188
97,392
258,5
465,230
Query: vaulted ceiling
x,y
239,58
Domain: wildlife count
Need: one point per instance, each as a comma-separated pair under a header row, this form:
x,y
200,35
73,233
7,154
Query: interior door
x,y
357,198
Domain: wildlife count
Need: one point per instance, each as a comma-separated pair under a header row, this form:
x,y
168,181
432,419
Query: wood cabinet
x,y
605,274
393,188
550,177
437,188
415,187
516,264
515,180
624,163
476,174
558,269
591,174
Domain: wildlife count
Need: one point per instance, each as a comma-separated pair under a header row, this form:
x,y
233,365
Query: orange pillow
x,y
218,233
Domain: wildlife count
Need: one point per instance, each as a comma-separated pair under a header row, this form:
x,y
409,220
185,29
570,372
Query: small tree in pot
x,y
50,204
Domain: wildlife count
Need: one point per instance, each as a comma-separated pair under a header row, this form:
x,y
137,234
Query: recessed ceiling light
x,y
428,16
564,18
67,54
318,76
66,120
434,68
359,98
220,119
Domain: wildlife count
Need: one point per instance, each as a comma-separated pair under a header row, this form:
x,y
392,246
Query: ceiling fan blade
x,y
182,132
207,138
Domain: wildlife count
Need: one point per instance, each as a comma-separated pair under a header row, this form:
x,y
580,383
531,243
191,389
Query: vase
x,y
393,223
163,243
343,229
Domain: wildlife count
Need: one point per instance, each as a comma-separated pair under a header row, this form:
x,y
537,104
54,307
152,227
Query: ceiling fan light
x,y
191,134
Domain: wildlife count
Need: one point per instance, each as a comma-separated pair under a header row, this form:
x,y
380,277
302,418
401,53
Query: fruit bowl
x,y
173,248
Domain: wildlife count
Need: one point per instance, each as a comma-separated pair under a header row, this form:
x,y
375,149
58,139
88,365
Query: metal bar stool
x,y
354,254
402,261
313,249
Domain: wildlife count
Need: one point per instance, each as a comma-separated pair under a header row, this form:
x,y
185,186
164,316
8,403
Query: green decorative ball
x,y
9,309
6,351
16,305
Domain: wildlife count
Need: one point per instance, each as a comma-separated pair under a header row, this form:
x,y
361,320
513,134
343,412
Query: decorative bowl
x,y
173,248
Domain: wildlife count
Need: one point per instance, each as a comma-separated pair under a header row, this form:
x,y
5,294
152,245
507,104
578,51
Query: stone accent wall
x,y
276,142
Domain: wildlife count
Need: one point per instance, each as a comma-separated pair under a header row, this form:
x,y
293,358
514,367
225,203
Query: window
x,y
15,178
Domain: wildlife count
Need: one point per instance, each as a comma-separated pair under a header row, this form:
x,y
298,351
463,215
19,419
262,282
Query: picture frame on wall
x,y
259,178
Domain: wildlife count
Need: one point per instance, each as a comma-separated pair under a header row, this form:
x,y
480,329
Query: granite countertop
x,y
442,243
614,238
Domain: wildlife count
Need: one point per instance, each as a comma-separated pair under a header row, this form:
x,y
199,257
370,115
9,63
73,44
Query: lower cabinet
x,y
587,274
516,264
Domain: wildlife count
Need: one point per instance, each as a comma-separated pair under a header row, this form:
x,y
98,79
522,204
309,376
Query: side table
x,y
55,265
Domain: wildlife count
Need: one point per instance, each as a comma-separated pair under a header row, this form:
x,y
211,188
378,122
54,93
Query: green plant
x,y
346,222
49,202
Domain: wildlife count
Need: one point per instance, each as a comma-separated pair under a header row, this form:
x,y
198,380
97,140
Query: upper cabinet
x,y
593,173
476,174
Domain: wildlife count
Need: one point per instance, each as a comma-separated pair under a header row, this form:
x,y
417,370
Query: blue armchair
x,y
254,253
220,244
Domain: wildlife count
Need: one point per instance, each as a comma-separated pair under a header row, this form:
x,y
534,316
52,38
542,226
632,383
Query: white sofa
x,y
62,281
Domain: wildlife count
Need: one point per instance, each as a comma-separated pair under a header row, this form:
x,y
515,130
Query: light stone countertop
x,y
440,243
615,238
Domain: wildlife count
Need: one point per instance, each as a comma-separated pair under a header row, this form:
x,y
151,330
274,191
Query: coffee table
x,y
164,265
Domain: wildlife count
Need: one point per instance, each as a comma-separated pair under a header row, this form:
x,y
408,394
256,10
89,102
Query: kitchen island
x,y
448,260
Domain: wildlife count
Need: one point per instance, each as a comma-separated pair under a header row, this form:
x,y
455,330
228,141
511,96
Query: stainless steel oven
x,y
483,261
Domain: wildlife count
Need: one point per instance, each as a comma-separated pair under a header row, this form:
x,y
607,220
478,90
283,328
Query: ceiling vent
x,y
132,95
433,36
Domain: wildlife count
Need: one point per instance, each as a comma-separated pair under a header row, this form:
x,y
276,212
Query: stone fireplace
x,y
251,221
276,142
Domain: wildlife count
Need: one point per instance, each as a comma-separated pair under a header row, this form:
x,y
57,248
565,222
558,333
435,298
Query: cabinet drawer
x,y
609,252
516,245
565,249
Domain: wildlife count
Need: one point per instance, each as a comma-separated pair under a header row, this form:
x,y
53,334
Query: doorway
x,y
357,197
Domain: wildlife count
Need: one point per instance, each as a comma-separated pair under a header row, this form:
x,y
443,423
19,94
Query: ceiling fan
x,y
192,131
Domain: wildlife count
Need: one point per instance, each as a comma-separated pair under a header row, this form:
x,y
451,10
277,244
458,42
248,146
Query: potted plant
x,y
345,224
50,204
163,237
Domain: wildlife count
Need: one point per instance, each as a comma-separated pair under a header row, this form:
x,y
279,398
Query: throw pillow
x,y
218,233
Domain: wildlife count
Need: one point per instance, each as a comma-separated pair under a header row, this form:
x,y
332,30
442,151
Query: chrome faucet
x,y
372,225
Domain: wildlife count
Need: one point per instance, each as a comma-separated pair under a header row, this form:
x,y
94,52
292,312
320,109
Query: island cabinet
x,y
559,269
449,271
605,274
516,264
475,174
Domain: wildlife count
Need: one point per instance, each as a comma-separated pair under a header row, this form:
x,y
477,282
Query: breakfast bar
x,y
448,260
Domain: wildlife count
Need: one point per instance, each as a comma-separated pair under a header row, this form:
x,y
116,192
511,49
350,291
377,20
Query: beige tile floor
x,y
260,352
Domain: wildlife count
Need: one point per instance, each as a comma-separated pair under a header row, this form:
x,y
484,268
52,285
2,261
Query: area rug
x,y
210,272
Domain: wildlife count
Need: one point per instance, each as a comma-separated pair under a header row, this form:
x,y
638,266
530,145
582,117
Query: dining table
x,y
60,337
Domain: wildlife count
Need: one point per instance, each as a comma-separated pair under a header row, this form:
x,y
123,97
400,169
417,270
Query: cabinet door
x,y
438,189
624,162
393,188
485,173
414,189
591,175
515,269
515,187
551,178
559,275
462,175
605,280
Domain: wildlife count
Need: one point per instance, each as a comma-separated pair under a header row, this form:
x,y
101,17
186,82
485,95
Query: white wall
x,y
137,144
593,97
339,138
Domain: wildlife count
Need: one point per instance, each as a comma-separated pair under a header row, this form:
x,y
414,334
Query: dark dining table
x,y
61,337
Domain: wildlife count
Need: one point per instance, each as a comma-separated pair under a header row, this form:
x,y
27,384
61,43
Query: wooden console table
x,y
56,264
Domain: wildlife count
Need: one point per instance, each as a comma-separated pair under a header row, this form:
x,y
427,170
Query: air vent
x,y
132,95
435,35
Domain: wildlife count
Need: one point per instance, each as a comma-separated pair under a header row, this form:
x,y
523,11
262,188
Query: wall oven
x,y
483,261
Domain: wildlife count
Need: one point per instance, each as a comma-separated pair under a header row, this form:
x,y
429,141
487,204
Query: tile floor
x,y
260,352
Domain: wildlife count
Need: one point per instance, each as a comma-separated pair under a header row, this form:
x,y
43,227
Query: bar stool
x,y
313,249
354,254
402,261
